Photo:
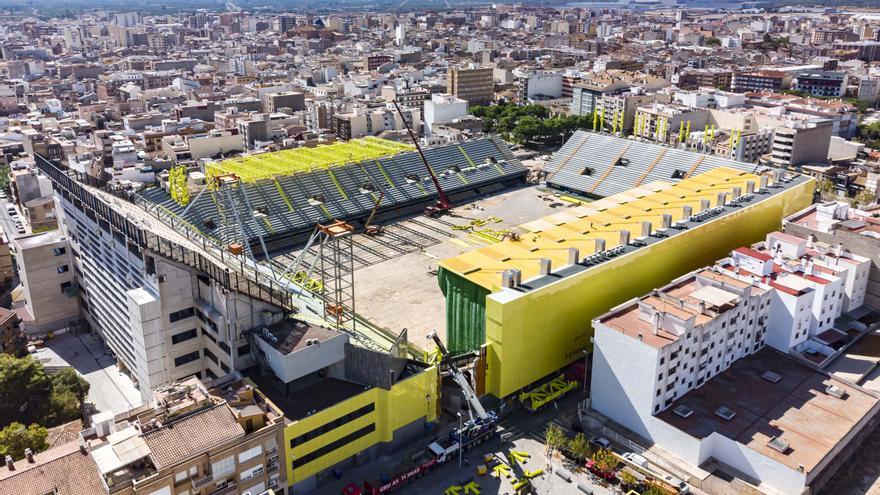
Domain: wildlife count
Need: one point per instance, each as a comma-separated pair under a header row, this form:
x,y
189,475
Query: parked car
x,y
600,442
636,459
683,487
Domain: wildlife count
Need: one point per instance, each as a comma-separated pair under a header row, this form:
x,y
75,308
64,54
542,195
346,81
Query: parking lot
x,y
111,390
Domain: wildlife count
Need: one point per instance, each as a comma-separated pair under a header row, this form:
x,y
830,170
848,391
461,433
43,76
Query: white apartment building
x,y
443,108
798,267
681,335
164,310
686,366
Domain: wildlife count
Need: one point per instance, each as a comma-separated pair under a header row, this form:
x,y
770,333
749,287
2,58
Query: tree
x,y
68,380
4,177
24,386
69,390
865,197
654,489
605,460
579,447
827,189
554,438
15,438
712,41
628,479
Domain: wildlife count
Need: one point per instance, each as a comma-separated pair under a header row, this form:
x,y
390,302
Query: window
x,y
186,358
223,467
179,315
250,473
243,350
63,269
66,286
183,336
250,454
210,355
59,251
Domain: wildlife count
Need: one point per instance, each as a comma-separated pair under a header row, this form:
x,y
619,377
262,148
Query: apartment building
x,y
826,83
799,142
164,309
539,85
747,146
586,95
869,89
622,106
714,378
47,281
812,288
766,80
274,102
195,441
476,86
712,78
683,334
442,108
847,230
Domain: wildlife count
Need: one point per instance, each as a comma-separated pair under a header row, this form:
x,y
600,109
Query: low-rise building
x,y
343,404
703,338
846,229
48,288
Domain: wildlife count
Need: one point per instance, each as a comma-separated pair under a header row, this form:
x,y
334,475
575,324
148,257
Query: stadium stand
x,y
603,165
294,203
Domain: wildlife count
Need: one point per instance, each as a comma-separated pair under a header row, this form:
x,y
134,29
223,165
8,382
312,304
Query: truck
x,y
481,424
413,470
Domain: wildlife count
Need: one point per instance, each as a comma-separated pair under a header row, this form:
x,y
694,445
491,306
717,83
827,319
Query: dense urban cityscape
x,y
441,248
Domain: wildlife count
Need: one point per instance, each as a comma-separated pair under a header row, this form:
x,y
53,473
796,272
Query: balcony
x,y
200,482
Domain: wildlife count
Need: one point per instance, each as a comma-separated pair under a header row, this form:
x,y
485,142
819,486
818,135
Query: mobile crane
x,y
481,425
442,205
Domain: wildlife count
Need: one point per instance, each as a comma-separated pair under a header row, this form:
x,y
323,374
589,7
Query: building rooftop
x,y
312,398
62,470
797,409
175,442
689,298
603,221
290,335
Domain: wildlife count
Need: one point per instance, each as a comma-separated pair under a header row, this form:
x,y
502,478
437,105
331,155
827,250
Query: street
x,y
526,441
6,221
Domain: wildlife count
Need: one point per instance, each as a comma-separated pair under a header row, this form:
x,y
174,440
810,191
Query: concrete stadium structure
x,y
531,299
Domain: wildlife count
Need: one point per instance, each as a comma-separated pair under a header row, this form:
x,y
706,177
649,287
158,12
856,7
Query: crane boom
x,y
470,396
443,203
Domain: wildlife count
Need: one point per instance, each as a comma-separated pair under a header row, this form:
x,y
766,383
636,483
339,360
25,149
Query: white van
x,y
636,459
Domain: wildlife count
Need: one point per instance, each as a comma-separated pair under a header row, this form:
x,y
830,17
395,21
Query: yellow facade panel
x,y
532,334
408,400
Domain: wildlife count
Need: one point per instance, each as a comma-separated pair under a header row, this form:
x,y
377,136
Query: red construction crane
x,y
442,205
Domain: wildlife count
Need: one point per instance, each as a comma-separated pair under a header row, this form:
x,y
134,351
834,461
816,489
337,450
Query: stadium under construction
x,y
510,275
505,248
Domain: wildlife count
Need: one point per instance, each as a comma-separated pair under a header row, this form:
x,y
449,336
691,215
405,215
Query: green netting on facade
x,y
465,312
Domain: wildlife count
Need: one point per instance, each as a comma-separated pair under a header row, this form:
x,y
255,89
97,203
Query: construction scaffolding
x,y
325,267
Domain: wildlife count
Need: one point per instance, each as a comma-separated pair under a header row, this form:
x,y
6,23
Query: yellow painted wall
x,y
406,402
530,335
